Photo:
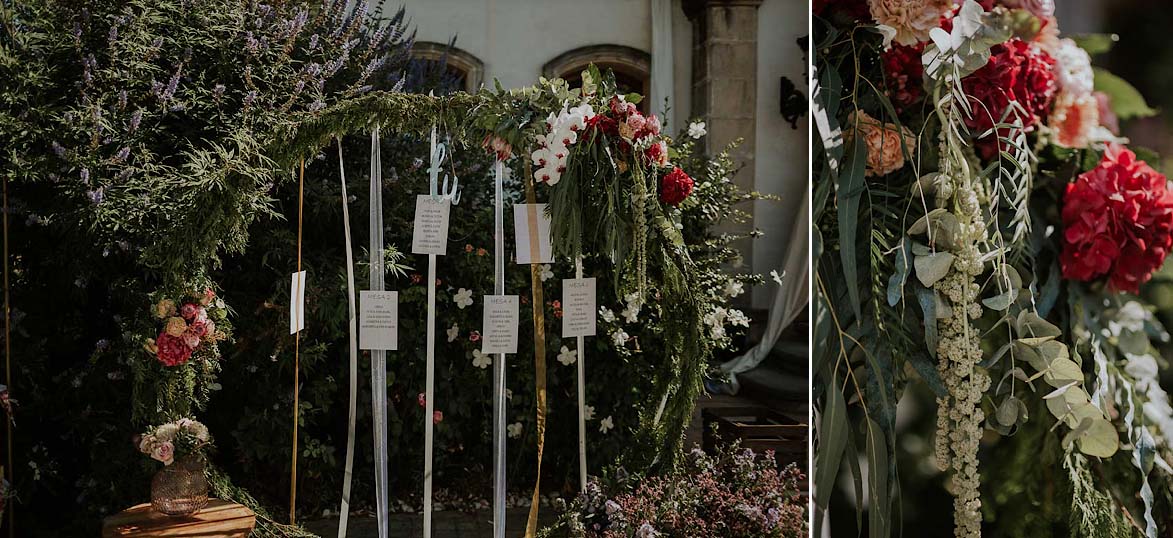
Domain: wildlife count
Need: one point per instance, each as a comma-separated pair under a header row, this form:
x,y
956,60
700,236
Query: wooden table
x,y
220,519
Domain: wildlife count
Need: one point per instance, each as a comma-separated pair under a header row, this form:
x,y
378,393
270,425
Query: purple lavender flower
x,y
122,100
58,149
122,154
135,119
317,105
218,91
156,88
112,35
97,195
157,43
314,42
250,98
85,175
646,531
173,84
125,174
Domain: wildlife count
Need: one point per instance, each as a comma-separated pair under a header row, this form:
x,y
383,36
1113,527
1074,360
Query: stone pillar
x,y
724,83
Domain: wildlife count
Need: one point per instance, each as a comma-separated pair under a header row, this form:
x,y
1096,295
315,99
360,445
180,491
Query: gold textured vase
x,y
180,489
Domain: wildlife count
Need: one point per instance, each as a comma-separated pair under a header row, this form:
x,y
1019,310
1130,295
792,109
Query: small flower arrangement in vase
x,y
180,488
190,328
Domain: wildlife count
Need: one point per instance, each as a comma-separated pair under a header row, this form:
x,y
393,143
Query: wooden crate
x,y
758,428
220,519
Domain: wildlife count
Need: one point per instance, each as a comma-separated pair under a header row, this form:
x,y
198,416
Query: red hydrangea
x,y
172,350
1118,221
1017,72
675,186
905,74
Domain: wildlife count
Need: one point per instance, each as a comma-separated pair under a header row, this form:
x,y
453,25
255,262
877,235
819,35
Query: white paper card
x,y
499,333
430,235
296,302
578,307
521,229
378,320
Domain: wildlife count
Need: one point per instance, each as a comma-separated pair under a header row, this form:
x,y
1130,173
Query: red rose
x,y
172,350
675,186
1118,221
905,74
1017,72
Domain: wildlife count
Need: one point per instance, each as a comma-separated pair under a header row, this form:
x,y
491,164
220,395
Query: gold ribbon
x,y
539,343
296,354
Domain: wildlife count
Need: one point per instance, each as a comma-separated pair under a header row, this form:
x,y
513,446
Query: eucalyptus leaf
x,y
934,267
1007,413
900,277
1061,372
1098,436
928,304
1002,301
832,437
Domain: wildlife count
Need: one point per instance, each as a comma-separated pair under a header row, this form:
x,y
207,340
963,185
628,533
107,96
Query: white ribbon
x,y
452,195
346,480
378,357
582,461
499,365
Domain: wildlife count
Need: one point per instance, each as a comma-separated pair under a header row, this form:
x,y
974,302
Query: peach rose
x,y
164,308
164,452
885,154
175,326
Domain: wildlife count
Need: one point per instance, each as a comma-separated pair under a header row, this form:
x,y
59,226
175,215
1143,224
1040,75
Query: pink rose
x,y
653,125
437,417
191,340
188,311
164,452
209,295
423,401
636,122
474,336
201,314
199,328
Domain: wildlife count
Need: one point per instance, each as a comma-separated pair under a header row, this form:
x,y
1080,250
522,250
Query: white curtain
x,y
789,299
661,75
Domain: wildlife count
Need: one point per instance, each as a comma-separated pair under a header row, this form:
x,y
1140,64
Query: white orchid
x,y
463,298
733,288
631,313
737,318
620,337
481,360
514,430
453,332
567,356
588,412
606,314
546,273
697,129
606,424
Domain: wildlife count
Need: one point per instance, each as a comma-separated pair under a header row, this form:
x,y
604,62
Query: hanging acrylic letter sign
x,y
531,224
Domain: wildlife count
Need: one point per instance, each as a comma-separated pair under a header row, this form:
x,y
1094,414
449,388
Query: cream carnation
x,y
912,19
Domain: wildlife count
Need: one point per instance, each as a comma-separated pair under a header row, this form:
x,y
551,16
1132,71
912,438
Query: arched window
x,y
463,71
632,67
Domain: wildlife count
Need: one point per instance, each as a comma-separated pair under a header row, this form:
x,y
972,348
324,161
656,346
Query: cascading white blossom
x,y
562,132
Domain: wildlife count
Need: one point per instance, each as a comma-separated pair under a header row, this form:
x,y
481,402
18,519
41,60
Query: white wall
x,y
781,154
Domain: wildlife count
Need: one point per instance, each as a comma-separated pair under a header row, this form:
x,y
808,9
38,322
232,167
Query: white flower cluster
x,y
720,316
562,132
